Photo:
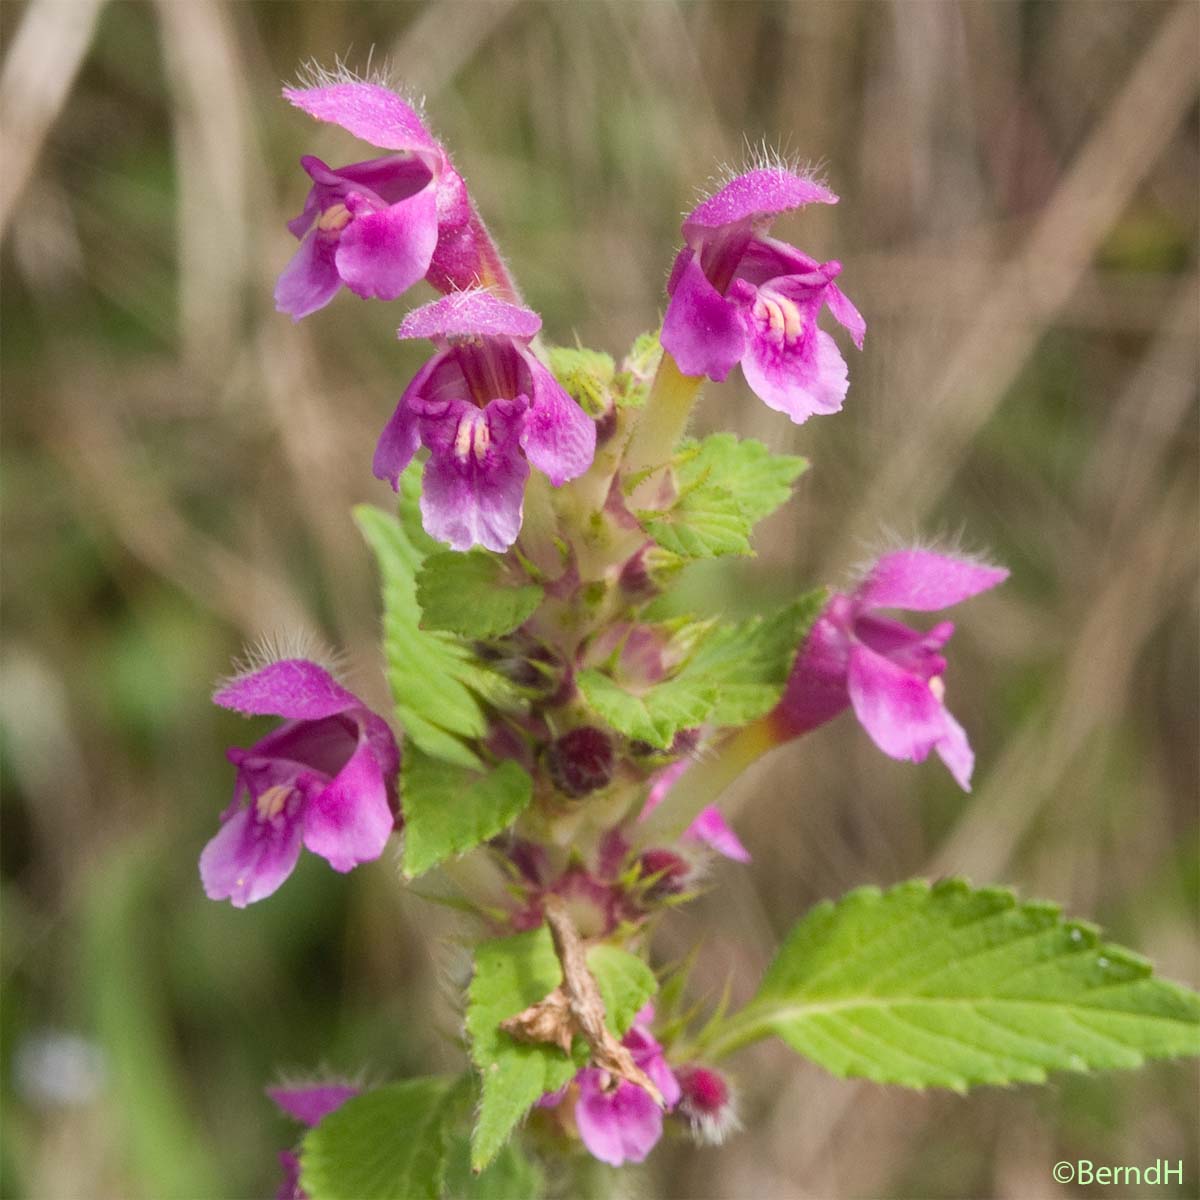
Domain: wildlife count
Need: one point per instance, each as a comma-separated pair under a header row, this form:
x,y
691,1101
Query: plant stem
x,y
703,782
663,420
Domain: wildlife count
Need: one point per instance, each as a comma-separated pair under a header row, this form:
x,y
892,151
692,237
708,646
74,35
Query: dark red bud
x,y
707,1103
704,1090
671,871
581,761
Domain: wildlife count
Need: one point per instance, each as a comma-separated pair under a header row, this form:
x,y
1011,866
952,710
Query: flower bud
x,y
581,761
667,872
707,1103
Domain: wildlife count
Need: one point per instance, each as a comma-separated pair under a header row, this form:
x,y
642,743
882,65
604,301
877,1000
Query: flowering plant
x,y
562,744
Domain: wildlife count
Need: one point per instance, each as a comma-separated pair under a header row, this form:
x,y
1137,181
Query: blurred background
x,y
1018,225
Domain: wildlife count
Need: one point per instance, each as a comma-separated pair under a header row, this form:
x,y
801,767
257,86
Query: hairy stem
x,y
662,423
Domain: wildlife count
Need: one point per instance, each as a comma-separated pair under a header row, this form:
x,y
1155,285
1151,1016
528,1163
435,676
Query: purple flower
x,y
307,1104
486,408
740,296
381,225
324,779
890,674
622,1123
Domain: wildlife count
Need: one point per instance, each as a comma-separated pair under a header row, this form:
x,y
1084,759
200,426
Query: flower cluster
x,y
566,743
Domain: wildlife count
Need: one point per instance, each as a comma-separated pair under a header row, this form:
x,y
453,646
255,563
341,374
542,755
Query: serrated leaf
x,y
761,481
512,1175
725,487
653,715
387,1144
706,522
946,986
749,662
448,809
475,594
435,682
510,975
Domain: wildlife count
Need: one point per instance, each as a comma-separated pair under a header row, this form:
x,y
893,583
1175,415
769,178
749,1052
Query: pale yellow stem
x,y
663,419
702,783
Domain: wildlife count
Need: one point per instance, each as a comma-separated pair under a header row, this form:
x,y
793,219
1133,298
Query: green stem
x,y
704,782
663,420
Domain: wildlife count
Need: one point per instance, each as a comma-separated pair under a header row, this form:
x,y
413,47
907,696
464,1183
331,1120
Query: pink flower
x,y
308,1104
890,674
623,1123
379,226
324,779
740,296
486,408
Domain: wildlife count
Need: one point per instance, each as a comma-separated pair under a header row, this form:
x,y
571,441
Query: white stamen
x,y
472,438
271,803
782,316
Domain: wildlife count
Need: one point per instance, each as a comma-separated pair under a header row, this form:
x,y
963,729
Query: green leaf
x,y
655,714
511,1175
725,487
749,662
437,686
448,809
387,1144
625,981
476,594
510,975
586,376
946,986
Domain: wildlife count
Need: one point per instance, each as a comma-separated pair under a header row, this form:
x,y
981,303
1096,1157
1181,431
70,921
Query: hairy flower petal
x,y
469,314
753,197
293,687
370,112
925,580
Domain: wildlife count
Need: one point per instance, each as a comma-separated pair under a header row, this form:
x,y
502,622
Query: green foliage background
x,y
1018,226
